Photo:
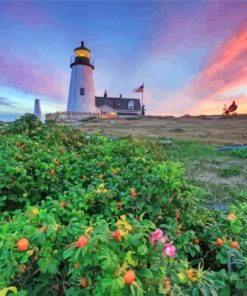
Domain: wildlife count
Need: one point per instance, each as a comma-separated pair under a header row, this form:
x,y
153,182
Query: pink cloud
x,y
216,107
226,71
175,104
202,26
194,25
39,78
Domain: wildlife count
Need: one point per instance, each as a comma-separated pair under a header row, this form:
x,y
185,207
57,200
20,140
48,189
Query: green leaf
x,y
226,291
192,252
77,254
142,250
121,282
130,260
204,290
106,282
236,226
221,258
4,229
52,267
135,240
42,265
139,292
195,292
67,253
147,273
114,289
108,265
212,291
24,259
73,292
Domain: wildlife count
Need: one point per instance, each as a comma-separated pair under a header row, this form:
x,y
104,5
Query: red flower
x,y
235,244
43,229
219,242
231,217
129,277
84,282
22,244
196,241
117,235
82,241
134,194
119,204
53,172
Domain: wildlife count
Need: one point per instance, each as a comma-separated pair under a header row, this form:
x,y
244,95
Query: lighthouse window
x,y
82,91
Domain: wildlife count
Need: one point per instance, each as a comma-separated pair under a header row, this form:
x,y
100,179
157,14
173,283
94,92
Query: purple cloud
x,y
40,79
24,12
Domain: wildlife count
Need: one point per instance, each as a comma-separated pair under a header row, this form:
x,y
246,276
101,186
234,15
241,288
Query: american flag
x,y
139,89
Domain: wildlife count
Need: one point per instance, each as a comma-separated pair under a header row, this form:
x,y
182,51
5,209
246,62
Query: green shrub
x,y
93,209
240,153
229,172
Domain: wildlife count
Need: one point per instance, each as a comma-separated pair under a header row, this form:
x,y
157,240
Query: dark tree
x,y
143,110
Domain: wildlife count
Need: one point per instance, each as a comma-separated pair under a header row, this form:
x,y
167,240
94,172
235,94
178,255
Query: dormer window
x,y
131,105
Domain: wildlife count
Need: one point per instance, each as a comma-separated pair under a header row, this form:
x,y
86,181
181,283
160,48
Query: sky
x,y
191,55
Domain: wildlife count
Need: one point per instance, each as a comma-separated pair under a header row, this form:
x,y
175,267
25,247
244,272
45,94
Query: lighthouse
x,y
37,110
81,90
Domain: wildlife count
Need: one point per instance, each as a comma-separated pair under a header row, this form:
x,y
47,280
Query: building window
x,y
131,105
82,91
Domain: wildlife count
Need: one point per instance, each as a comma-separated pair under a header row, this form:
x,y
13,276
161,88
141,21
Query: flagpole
x,y
142,97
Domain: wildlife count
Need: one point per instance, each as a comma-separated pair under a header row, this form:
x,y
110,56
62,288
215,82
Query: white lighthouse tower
x,y
81,90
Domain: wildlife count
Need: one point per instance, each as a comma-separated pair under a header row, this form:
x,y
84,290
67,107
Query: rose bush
x,y
87,215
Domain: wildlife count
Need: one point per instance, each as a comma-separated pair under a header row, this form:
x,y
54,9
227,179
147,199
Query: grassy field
x,y
195,142
222,175
215,130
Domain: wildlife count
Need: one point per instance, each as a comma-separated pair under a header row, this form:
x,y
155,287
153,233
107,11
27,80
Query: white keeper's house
x,y
111,107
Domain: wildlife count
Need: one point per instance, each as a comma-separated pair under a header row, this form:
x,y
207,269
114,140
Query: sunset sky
x,y
191,55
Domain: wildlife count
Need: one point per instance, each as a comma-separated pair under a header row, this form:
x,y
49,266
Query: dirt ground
x,y
215,129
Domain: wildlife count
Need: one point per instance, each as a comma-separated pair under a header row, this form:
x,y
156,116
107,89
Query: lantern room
x,y
82,51
81,56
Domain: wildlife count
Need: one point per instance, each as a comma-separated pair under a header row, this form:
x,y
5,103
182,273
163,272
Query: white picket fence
x,y
69,116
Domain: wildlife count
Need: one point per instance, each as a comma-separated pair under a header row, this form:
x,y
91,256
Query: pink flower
x,y
157,235
164,239
169,250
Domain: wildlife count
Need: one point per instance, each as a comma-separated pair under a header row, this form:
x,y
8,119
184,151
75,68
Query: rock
x,y
176,130
166,142
232,147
